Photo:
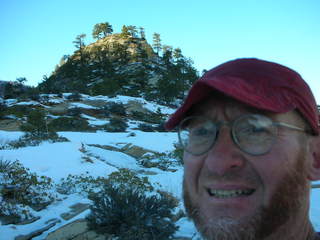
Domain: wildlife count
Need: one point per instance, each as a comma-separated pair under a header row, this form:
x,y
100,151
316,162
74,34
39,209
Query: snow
x,y
33,103
55,101
81,105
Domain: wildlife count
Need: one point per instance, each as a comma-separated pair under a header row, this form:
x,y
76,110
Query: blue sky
x,y
35,34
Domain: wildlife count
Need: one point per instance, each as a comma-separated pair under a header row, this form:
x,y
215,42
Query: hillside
x,y
123,64
95,149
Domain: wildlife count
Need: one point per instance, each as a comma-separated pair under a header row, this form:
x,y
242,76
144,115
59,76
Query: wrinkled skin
x,y
278,207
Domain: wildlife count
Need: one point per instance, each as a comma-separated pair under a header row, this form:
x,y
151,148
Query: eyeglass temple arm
x,y
315,185
290,126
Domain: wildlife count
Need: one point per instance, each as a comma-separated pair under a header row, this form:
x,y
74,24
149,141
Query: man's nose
x,y
224,156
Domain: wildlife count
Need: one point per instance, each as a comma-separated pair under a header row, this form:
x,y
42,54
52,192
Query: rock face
x,y
37,232
77,230
75,210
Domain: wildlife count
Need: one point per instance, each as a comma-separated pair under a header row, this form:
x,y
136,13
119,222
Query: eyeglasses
x,y
254,134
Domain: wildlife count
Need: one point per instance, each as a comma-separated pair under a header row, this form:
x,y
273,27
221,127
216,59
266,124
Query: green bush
x,y
149,117
69,124
163,161
87,185
17,110
145,127
74,112
74,97
115,108
125,178
116,125
20,188
3,108
82,184
34,139
36,122
129,214
177,154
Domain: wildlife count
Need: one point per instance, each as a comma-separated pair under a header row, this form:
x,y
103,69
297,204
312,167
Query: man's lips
x,y
230,191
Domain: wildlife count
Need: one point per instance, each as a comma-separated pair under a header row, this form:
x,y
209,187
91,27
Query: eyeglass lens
x,y
253,134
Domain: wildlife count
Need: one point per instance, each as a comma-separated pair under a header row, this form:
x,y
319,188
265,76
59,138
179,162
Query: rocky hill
x,y
123,64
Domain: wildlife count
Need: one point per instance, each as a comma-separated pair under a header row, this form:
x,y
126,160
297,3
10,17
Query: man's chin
x,y
221,227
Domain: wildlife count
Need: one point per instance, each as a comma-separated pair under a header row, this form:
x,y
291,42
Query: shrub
x,y
74,112
74,97
87,185
19,188
3,108
17,110
81,184
162,161
131,215
149,117
36,122
34,139
115,108
124,176
69,124
177,154
116,125
145,127
160,127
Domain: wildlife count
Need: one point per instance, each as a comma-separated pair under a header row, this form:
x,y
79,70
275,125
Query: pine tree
x,y
101,30
157,43
132,30
125,32
142,33
177,54
79,42
21,80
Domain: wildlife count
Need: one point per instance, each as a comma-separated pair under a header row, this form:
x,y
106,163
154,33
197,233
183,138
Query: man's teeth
x,y
229,193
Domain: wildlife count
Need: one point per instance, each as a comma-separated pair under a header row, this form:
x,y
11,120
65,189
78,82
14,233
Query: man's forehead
x,y
228,107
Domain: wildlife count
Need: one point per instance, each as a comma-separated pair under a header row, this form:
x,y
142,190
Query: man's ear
x,y
314,165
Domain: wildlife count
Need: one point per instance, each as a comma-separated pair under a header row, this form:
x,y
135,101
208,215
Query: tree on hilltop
x,y
101,30
79,42
157,42
130,30
142,33
21,80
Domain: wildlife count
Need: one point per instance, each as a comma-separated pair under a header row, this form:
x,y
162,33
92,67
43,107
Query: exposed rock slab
x,y
37,232
77,230
76,209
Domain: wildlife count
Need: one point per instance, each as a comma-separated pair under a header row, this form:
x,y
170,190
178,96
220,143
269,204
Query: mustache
x,y
241,176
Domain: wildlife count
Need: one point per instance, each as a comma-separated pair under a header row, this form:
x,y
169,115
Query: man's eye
x,y
254,130
201,132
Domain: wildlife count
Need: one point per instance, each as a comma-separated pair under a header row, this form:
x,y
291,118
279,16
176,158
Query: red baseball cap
x,y
260,84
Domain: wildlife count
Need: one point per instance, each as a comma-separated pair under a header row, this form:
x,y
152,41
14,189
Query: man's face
x,y
233,195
